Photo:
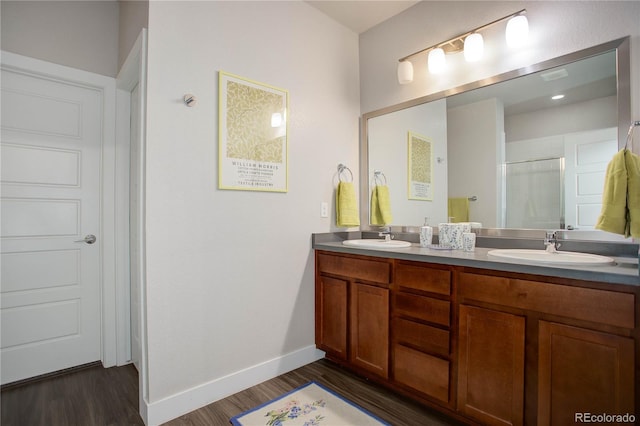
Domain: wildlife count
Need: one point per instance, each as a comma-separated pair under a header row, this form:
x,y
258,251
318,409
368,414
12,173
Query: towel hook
x,y
629,144
341,169
378,177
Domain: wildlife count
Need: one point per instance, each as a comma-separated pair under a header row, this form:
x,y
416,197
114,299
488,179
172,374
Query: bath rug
x,y
309,405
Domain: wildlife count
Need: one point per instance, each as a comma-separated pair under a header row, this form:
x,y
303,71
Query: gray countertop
x,y
624,271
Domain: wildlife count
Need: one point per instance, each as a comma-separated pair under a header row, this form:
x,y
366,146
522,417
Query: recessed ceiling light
x,y
556,97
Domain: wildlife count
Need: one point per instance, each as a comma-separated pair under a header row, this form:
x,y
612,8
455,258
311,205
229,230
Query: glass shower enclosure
x,y
534,194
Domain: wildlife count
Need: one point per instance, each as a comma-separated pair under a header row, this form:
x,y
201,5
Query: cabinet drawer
x,y
422,372
368,270
421,307
601,306
423,337
423,278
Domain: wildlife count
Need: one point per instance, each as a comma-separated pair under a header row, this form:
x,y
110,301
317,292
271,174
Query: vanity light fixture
x,y
557,97
436,61
472,43
473,47
405,72
517,31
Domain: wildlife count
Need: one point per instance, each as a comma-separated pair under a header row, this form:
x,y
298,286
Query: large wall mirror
x,y
521,158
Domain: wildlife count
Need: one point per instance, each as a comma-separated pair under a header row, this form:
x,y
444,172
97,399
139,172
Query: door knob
x,y
89,239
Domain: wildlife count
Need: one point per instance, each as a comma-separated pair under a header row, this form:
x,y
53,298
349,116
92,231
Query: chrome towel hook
x,y
341,169
629,144
379,178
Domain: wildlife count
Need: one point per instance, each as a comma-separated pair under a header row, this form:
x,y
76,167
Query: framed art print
x,y
252,143
420,167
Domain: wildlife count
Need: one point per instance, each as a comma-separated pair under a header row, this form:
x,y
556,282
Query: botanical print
x,y
252,145
250,135
294,410
420,167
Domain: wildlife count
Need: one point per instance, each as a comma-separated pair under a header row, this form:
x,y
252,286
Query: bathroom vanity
x,y
483,340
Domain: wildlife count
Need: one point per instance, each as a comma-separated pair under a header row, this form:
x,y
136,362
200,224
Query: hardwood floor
x,y
87,397
98,396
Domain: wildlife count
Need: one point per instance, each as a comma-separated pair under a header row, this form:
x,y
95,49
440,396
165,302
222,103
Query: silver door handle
x,y
89,239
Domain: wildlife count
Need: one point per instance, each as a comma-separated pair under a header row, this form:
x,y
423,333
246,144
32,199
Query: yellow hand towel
x,y
458,209
632,163
346,205
614,214
381,206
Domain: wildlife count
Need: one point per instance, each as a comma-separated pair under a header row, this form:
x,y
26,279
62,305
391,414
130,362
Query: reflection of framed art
x,y
420,167
252,144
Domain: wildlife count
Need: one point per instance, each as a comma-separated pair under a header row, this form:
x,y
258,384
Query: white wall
x,y
590,115
133,17
388,153
474,149
556,28
231,273
77,34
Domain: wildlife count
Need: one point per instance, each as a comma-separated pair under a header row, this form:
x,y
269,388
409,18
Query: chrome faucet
x,y
551,242
386,233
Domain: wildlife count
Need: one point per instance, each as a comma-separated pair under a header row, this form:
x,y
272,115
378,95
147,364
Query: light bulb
x,y
436,61
473,47
405,72
517,31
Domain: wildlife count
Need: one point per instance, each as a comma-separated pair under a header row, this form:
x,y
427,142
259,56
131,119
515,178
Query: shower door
x,y
534,194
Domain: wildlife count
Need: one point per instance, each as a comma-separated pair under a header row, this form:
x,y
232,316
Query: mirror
x,y
525,161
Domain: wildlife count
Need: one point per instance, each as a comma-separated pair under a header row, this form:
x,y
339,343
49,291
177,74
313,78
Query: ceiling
x,y
360,15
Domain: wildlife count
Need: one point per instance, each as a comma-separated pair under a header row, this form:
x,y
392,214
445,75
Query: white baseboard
x,y
189,400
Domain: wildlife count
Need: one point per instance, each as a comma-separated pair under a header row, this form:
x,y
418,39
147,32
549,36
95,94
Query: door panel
x,y
587,155
583,371
51,156
491,366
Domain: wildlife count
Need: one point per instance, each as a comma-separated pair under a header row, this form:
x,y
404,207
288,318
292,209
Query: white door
x,y
586,157
51,156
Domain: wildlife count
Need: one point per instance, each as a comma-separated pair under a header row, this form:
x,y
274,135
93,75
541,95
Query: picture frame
x,y
253,135
420,167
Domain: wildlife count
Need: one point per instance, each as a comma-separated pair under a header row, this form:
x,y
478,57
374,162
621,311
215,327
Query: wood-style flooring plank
x,y
92,396
393,408
109,397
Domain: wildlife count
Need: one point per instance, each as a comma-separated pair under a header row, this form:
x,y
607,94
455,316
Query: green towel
x,y
632,162
458,209
346,205
614,214
381,206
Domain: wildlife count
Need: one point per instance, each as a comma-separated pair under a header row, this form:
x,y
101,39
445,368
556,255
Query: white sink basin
x,y
560,258
377,244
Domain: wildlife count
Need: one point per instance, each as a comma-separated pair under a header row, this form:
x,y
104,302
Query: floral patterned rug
x,y
309,405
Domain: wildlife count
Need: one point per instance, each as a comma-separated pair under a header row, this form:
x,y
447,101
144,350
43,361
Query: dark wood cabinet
x,y
369,316
580,349
352,311
491,363
483,346
582,371
421,311
331,316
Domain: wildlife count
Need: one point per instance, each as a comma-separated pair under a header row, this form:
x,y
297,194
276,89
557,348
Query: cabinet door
x,y
491,366
582,371
370,328
331,316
